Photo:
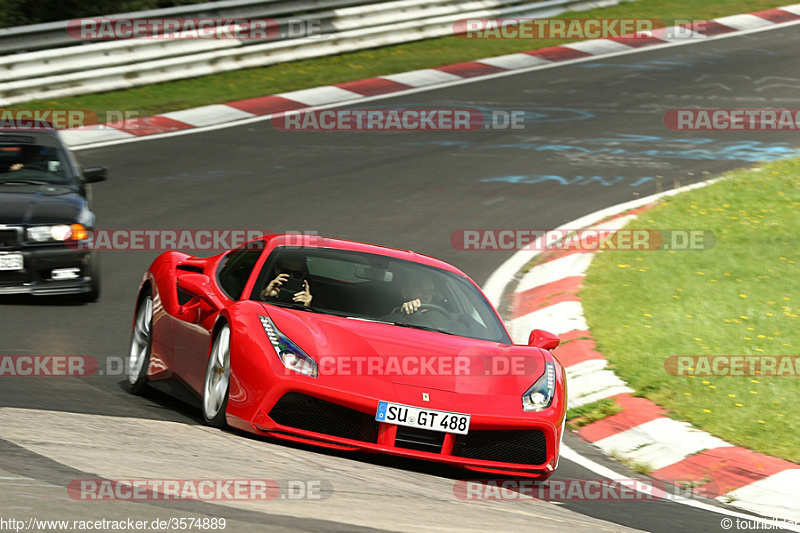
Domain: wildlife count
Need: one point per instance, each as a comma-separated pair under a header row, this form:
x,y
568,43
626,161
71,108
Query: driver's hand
x,y
303,297
411,306
274,286
15,166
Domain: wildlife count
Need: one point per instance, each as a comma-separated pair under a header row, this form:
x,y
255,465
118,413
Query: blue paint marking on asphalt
x,y
532,114
699,149
682,60
575,180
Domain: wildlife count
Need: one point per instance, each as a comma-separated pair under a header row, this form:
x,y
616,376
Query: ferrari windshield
x,y
380,288
32,163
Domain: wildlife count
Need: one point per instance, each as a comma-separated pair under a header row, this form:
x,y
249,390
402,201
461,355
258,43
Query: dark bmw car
x,y
45,218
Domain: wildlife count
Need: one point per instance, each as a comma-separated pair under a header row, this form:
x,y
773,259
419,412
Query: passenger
x,y
289,265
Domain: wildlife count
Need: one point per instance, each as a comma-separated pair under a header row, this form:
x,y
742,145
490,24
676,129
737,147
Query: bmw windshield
x,y
28,163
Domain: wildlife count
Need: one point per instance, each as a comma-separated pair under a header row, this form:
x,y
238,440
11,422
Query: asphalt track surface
x,y
594,133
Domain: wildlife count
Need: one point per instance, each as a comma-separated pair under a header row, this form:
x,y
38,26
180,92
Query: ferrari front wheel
x,y
141,345
218,372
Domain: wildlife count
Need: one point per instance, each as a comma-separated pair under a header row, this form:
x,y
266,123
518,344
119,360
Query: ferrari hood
x,y
347,348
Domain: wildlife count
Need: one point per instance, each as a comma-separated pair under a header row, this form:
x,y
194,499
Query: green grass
x,y
584,415
741,297
642,468
154,99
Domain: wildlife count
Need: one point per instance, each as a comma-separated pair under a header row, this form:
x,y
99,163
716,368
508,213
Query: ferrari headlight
x,y
540,396
288,352
59,232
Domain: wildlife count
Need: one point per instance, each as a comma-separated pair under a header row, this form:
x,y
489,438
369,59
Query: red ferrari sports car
x,y
354,347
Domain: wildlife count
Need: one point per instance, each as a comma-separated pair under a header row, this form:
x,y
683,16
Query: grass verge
x,y
160,98
577,417
738,298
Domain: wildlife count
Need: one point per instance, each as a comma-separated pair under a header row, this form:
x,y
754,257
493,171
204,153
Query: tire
x,y
141,345
217,382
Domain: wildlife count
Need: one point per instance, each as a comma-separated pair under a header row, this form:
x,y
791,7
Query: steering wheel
x,y
434,307
423,307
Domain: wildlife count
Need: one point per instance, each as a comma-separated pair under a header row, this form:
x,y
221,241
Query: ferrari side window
x,y
236,268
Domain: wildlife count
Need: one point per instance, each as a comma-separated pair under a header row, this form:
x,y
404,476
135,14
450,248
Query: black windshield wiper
x,y
415,326
294,305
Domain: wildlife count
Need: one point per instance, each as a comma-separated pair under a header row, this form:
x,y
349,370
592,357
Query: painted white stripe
x,y
571,455
570,265
659,443
208,114
327,94
615,224
590,381
598,395
794,8
557,319
93,135
513,61
675,34
598,46
423,77
743,22
777,495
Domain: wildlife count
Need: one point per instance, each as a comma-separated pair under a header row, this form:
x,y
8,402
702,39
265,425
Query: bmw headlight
x,y
57,233
288,352
540,396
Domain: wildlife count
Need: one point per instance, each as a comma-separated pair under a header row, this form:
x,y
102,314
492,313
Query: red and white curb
x,y
546,297
261,108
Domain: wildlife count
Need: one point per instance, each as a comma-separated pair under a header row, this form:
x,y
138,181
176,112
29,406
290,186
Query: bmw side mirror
x,y
95,174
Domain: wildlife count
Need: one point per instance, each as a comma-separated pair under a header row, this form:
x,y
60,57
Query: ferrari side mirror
x,y
543,339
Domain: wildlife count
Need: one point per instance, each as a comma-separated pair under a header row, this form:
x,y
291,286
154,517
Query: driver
x,y
288,265
31,157
419,291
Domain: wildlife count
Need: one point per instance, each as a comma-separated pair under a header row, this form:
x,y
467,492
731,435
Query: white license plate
x,y
11,262
417,417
